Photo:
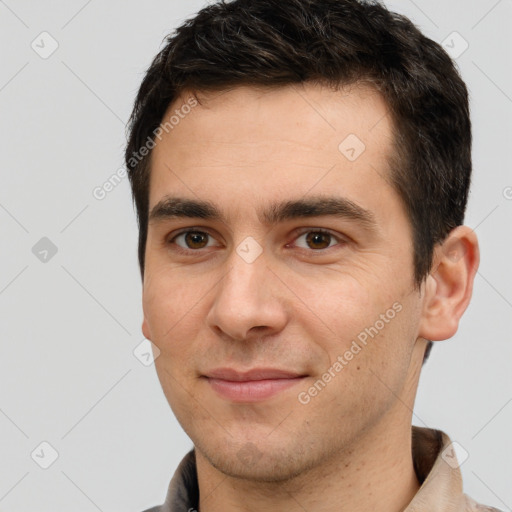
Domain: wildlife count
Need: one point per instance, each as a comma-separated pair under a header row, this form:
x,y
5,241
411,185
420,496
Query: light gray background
x,y
69,326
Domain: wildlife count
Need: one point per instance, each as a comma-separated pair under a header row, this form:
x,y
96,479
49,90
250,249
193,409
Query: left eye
x,y
317,240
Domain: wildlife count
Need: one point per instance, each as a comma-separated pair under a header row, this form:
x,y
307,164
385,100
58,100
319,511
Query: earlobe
x,y
145,329
449,286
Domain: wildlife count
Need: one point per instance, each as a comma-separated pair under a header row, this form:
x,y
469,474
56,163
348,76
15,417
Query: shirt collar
x,y
435,464
437,471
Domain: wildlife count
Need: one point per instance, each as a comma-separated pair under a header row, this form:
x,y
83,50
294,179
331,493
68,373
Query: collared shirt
x,y
435,464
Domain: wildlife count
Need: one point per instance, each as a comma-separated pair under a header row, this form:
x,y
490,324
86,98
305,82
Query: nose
x,y
249,300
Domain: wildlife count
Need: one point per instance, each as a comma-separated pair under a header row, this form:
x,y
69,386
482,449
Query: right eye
x,y
192,240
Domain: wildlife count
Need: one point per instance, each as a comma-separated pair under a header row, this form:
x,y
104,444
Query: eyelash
x,y
338,239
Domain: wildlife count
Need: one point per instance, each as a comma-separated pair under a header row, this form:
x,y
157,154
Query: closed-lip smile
x,y
253,385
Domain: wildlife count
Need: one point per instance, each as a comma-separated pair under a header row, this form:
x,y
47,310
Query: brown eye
x,y
318,240
196,240
192,240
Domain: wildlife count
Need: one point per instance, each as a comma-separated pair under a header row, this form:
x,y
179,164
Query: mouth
x,y
251,386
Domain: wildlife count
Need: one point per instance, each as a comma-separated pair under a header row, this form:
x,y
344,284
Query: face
x,y
276,243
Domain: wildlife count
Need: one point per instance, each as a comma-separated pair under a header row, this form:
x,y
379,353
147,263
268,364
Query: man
x,y
300,170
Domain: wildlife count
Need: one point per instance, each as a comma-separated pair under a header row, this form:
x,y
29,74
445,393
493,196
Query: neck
x,y
371,475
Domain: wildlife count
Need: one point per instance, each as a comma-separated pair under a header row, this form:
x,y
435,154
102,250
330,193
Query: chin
x,y
258,463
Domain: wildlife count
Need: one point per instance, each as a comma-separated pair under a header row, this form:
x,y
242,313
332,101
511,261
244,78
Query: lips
x,y
251,386
251,375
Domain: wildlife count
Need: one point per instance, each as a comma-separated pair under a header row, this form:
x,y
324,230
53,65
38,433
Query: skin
x,y
299,305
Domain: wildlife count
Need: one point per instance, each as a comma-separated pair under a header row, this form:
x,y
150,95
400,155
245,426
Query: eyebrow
x,y
317,206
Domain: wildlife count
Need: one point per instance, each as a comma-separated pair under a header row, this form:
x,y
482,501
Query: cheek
x,y
171,308
365,325
340,304
368,368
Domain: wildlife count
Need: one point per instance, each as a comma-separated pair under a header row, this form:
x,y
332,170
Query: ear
x,y
449,286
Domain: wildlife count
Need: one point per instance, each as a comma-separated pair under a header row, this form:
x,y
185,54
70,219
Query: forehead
x,y
265,143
